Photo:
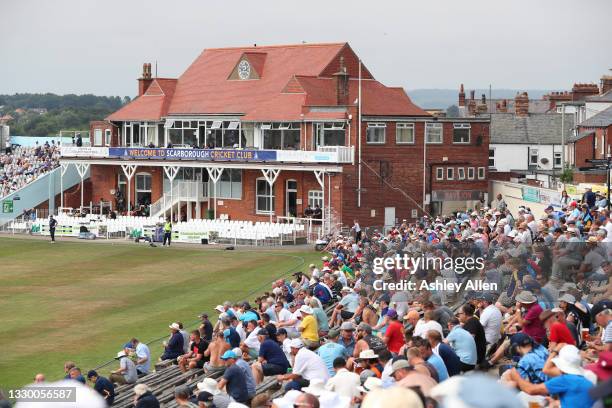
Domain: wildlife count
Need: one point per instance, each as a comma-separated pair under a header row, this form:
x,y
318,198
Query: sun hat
x,y
316,387
569,360
296,343
526,297
371,384
229,354
346,289
474,391
367,355
287,400
365,327
332,334
120,354
220,308
208,385
306,309
400,364
347,326
175,326
140,389
567,298
393,397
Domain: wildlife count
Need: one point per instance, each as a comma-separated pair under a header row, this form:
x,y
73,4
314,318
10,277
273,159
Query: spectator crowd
x,y
540,335
20,166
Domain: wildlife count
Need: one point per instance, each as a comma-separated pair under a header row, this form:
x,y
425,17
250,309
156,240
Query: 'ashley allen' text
x,y
404,285
413,264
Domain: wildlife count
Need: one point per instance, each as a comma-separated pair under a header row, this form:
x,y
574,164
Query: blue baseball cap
x,y
228,354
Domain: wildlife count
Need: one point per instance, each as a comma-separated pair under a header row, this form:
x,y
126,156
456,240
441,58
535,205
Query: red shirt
x,y
559,333
534,326
395,335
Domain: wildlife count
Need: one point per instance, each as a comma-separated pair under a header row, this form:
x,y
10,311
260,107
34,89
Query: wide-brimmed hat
x,y
399,364
474,391
120,355
175,326
316,387
208,385
347,326
526,297
370,384
568,299
296,343
569,360
367,355
306,309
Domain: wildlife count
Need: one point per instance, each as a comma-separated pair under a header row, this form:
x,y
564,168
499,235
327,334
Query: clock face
x,y
244,69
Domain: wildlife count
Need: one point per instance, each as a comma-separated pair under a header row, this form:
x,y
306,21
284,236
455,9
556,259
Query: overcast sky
x,y
98,46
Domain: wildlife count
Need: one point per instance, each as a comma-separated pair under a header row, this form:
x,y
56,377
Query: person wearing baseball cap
x,y
602,313
307,365
233,380
271,359
394,335
568,381
309,328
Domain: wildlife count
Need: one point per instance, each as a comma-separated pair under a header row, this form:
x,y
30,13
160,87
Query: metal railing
x,y
181,191
344,154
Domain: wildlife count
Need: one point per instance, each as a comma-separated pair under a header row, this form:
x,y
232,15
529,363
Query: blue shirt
x,y
270,351
350,302
236,383
248,376
350,346
322,293
437,362
450,358
464,345
321,317
329,352
573,390
531,364
232,337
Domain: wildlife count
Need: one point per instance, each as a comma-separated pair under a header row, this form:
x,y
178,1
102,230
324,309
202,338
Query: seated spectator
x,y
76,375
343,381
251,385
307,365
143,357
234,379
182,397
308,328
126,373
405,376
533,357
426,324
174,347
463,344
215,350
557,332
68,366
195,357
271,360
473,326
394,335
102,386
431,358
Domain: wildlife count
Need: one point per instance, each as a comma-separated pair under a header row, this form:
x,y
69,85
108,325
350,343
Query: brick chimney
x,y
482,107
556,98
145,80
605,84
461,96
521,104
502,107
581,91
341,80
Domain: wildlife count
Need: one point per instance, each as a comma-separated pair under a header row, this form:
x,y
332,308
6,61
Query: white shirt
x,y
309,365
142,351
241,332
491,320
130,373
252,341
344,383
283,315
423,327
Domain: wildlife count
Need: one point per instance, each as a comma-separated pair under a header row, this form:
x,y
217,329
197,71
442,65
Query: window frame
x,y
231,182
450,173
537,156
404,125
108,137
314,197
460,173
98,137
267,196
560,156
462,126
439,173
491,158
377,125
473,171
434,125
483,175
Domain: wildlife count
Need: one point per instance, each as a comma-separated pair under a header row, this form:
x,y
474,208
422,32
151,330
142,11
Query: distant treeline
x,y
47,114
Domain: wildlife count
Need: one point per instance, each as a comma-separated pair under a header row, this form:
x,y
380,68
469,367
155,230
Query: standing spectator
x,y
102,386
357,229
52,225
206,328
167,232
126,373
143,357
394,336
233,378
174,347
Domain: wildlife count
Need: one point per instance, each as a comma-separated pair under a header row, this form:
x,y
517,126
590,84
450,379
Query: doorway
x,y
389,217
291,198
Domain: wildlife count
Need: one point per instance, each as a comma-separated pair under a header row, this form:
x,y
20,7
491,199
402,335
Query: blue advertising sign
x,y
192,154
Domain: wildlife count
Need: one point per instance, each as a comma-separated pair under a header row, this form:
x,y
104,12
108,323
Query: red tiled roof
x,y
152,105
291,77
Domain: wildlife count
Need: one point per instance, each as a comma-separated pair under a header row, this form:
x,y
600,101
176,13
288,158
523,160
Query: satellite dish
x,y
544,160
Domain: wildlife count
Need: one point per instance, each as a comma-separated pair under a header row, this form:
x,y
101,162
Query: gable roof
x,y
544,128
602,119
607,97
152,105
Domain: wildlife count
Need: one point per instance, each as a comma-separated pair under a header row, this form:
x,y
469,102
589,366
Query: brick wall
x,y
583,150
103,126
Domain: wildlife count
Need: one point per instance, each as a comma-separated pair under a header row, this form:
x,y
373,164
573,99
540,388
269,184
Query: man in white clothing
x,y
344,382
307,365
490,318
